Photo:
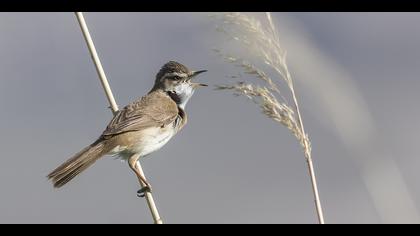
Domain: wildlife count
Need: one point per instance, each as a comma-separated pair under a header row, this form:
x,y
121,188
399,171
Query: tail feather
x,y
78,163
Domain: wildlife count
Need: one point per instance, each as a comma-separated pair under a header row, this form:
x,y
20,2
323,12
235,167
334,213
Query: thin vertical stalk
x,y
97,62
149,199
307,149
266,44
308,156
113,105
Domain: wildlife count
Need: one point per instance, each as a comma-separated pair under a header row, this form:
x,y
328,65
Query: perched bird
x,y
141,127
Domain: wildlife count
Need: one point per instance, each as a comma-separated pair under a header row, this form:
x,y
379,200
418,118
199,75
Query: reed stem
x,y
113,105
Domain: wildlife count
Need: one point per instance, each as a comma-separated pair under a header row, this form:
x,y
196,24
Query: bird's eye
x,y
175,77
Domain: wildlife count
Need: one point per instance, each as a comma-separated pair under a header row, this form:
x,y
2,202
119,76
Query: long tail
x,y
78,163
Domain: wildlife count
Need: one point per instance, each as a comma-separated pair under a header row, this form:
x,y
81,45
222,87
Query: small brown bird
x,y
141,127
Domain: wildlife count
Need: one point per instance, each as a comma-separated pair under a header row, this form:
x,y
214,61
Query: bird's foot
x,y
142,191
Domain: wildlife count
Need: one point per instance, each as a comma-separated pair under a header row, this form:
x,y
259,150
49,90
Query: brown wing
x,y
153,110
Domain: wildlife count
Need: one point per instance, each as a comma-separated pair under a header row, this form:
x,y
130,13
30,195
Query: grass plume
x,y
262,39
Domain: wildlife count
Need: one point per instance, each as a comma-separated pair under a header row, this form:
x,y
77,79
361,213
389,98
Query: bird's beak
x,y
194,74
196,85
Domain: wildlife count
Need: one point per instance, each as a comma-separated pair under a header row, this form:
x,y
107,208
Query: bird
x,y
141,127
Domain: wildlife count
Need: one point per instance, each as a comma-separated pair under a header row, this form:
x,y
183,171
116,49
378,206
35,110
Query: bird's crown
x,y
171,69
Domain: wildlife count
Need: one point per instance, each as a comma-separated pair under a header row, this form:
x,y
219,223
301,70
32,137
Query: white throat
x,y
184,91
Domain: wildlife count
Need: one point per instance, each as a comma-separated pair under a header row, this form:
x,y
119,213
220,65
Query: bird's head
x,y
177,80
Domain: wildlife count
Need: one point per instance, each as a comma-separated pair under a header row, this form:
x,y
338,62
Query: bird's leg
x,y
147,187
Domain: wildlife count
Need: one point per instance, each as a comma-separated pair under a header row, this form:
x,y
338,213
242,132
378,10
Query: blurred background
x,y
356,76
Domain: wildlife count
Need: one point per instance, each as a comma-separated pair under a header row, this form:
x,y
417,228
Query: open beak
x,y
194,74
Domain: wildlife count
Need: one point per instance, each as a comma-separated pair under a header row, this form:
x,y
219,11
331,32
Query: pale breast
x,y
142,142
154,139
147,140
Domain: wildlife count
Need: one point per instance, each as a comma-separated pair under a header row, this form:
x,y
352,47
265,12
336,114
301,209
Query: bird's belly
x,y
153,143
144,143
